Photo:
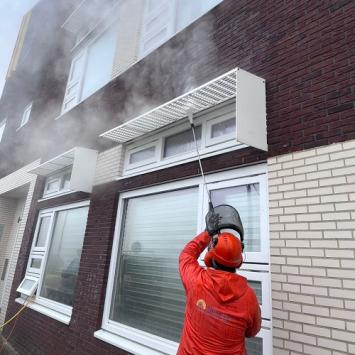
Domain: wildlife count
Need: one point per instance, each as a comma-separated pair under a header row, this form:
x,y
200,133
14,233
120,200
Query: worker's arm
x,y
255,317
188,260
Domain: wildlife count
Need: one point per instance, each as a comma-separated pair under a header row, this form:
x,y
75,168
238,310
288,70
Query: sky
x,y
11,13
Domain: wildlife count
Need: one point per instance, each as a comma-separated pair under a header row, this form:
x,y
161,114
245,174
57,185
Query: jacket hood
x,y
227,287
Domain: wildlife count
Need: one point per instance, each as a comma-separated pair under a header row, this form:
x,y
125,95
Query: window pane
x,y
26,115
142,155
182,142
27,284
36,263
223,128
64,256
247,202
43,231
65,184
189,11
256,286
99,63
254,346
2,129
53,186
148,294
77,67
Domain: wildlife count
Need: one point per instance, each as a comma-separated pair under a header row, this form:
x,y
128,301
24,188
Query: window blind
x,y
148,294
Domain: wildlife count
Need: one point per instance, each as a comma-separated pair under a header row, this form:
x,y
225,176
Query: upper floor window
x,y
91,68
164,18
2,128
26,115
215,131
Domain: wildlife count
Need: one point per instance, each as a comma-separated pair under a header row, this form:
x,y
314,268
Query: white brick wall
x,y
312,231
109,165
13,181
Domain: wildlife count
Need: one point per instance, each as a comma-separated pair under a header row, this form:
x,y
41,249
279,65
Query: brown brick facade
x,y
304,51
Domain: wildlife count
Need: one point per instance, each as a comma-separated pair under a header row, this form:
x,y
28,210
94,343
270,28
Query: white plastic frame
x,y
211,116
42,249
131,339
217,140
31,291
151,160
59,178
35,270
264,278
54,308
264,255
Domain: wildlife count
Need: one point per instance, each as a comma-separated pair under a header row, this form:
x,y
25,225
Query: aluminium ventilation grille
x,y
208,95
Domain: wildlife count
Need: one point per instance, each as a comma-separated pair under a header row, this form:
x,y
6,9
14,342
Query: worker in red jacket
x,y
221,309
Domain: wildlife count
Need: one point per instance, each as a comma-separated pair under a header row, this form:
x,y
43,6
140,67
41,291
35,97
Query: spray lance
x,y
222,216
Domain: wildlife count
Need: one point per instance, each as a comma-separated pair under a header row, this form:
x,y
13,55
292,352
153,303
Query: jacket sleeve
x,y
255,325
188,261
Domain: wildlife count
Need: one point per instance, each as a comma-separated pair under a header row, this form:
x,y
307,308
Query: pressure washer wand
x,y
190,117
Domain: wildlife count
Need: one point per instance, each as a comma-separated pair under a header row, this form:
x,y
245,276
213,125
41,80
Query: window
x,y
55,256
181,142
28,286
215,132
164,18
145,300
2,128
58,183
26,115
91,68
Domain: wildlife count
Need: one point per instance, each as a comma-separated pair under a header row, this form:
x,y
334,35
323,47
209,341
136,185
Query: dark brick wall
x,y
304,50
39,334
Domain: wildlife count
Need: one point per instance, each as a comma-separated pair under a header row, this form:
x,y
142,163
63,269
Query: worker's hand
x,y
212,223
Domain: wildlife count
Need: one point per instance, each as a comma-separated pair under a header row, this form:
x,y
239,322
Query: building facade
x,y
100,187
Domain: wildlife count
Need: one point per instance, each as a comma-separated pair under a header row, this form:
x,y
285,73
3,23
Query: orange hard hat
x,y
225,250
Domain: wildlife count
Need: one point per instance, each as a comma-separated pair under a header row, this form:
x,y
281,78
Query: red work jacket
x,y
221,309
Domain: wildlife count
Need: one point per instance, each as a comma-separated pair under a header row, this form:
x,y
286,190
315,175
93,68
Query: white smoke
x,y
11,13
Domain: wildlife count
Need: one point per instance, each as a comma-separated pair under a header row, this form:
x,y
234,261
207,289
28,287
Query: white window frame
x,y
43,305
264,255
28,292
82,49
42,249
2,128
141,163
266,336
171,25
26,115
211,116
211,141
34,270
265,279
59,177
129,338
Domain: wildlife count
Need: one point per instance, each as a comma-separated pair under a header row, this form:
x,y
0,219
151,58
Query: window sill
x,y
60,317
125,344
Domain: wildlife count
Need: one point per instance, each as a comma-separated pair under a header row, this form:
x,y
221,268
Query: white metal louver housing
x,y
247,89
83,162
